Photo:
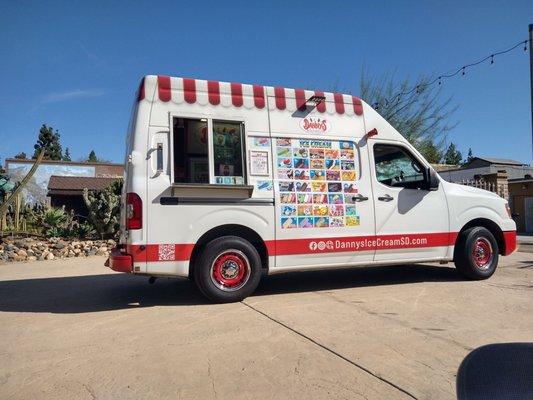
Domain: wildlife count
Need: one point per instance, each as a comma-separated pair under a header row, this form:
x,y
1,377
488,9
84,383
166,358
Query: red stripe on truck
x,y
163,88
213,92
284,247
236,94
189,90
259,96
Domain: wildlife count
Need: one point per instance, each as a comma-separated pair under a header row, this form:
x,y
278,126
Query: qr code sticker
x,y
166,252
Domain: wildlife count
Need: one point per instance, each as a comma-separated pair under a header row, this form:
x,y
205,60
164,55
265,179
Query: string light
x,y
418,88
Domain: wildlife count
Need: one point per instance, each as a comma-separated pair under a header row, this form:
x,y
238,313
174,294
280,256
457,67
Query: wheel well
x,y
492,227
230,230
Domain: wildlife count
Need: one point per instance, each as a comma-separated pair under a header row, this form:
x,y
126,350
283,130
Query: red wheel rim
x,y
230,270
482,253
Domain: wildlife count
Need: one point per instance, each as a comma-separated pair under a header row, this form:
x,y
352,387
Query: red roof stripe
x,y
236,94
321,107
279,93
140,93
189,90
213,91
259,96
163,88
299,94
357,106
339,103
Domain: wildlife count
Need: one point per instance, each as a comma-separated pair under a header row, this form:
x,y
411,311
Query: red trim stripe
x,y
259,96
189,90
279,93
284,247
299,94
357,106
339,103
321,107
213,91
236,94
163,88
140,94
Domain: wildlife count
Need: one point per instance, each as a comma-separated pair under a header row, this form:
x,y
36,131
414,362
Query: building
x,y
36,189
67,191
480,166
521,203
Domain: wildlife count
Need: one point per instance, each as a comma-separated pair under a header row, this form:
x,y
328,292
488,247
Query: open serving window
x,y
208,153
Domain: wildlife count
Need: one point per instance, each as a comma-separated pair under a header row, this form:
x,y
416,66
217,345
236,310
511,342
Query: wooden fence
x,y
482,184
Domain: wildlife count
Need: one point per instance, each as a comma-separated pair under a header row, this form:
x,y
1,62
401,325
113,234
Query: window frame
x,y
423,184
210,149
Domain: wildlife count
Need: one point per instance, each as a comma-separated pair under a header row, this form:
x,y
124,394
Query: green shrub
x,y
104,209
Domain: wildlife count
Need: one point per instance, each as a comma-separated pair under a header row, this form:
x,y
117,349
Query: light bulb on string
x,y
464,71
525,45
492,59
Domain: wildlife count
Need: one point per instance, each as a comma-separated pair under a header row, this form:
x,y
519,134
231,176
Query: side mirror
x,y
433,180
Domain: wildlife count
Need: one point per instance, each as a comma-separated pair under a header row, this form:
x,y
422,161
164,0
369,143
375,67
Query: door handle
x,y
359,198
387,197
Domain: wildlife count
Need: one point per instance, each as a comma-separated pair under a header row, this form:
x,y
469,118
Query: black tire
x,y
476,253
240,256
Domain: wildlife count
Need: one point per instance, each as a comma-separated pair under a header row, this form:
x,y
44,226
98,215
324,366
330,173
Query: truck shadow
x,y
93,293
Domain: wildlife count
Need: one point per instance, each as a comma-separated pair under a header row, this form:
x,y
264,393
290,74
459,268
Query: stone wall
x,y
33,249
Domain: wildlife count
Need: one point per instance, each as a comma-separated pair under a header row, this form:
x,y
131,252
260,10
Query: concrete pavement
x,y
71,329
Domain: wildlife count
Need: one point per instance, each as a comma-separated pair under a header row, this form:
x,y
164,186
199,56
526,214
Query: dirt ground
x,y
71,329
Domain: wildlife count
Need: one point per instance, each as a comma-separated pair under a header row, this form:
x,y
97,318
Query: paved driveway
x,y
71,329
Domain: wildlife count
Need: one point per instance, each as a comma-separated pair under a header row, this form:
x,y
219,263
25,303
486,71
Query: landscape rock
x,y
32,249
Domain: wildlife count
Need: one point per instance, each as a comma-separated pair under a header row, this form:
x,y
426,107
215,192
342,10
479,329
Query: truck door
x,y
411,222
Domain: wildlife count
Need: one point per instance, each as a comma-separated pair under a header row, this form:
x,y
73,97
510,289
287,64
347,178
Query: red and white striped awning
x,y
185,90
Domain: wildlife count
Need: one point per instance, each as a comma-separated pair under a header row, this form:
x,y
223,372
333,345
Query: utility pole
x,y
531,78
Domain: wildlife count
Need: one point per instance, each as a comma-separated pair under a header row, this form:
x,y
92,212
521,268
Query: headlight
x,y
508,210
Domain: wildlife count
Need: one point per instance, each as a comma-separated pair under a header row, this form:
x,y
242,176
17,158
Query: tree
x,y
452,155
104,208
49,141
421,115
21,156
92,157
431,153
66,156
469,157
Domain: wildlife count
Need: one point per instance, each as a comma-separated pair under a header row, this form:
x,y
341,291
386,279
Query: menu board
x,y
316,183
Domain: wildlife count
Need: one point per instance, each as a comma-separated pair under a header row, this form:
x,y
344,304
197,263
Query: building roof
x,y
503,161
60,162
74,185
185,90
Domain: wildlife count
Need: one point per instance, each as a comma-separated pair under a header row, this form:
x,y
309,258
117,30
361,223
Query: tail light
x,y
134,213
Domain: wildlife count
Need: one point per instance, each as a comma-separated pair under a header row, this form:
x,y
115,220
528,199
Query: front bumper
x,y
120,261
509,239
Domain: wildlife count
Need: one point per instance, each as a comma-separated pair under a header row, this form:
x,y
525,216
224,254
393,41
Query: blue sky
x,y
75,65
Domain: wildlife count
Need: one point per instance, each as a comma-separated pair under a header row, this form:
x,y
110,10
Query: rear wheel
x,y
476,253
228,270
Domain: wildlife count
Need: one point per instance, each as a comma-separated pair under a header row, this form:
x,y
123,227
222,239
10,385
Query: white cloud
x,y
72,95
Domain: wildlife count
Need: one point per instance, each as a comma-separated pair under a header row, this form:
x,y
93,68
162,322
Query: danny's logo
x,y
315,125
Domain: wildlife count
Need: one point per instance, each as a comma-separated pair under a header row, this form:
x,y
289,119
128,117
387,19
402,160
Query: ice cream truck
x,y
227,182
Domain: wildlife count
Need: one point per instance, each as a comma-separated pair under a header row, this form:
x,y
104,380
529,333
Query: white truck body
x,y
311,182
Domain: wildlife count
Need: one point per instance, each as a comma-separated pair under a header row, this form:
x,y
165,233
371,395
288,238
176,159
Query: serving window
x,y
208,152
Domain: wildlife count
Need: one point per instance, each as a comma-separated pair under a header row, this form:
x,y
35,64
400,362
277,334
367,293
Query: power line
x,y
439,79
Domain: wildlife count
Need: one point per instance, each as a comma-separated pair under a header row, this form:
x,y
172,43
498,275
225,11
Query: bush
x,y
104,209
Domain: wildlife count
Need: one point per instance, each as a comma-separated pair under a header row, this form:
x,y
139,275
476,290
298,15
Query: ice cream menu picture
x,y
316,183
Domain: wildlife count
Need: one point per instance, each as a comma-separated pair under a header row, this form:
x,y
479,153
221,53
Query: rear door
x,y
411,222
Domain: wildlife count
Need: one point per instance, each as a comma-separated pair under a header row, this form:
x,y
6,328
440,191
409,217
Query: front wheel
x,y
476,253
228,270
